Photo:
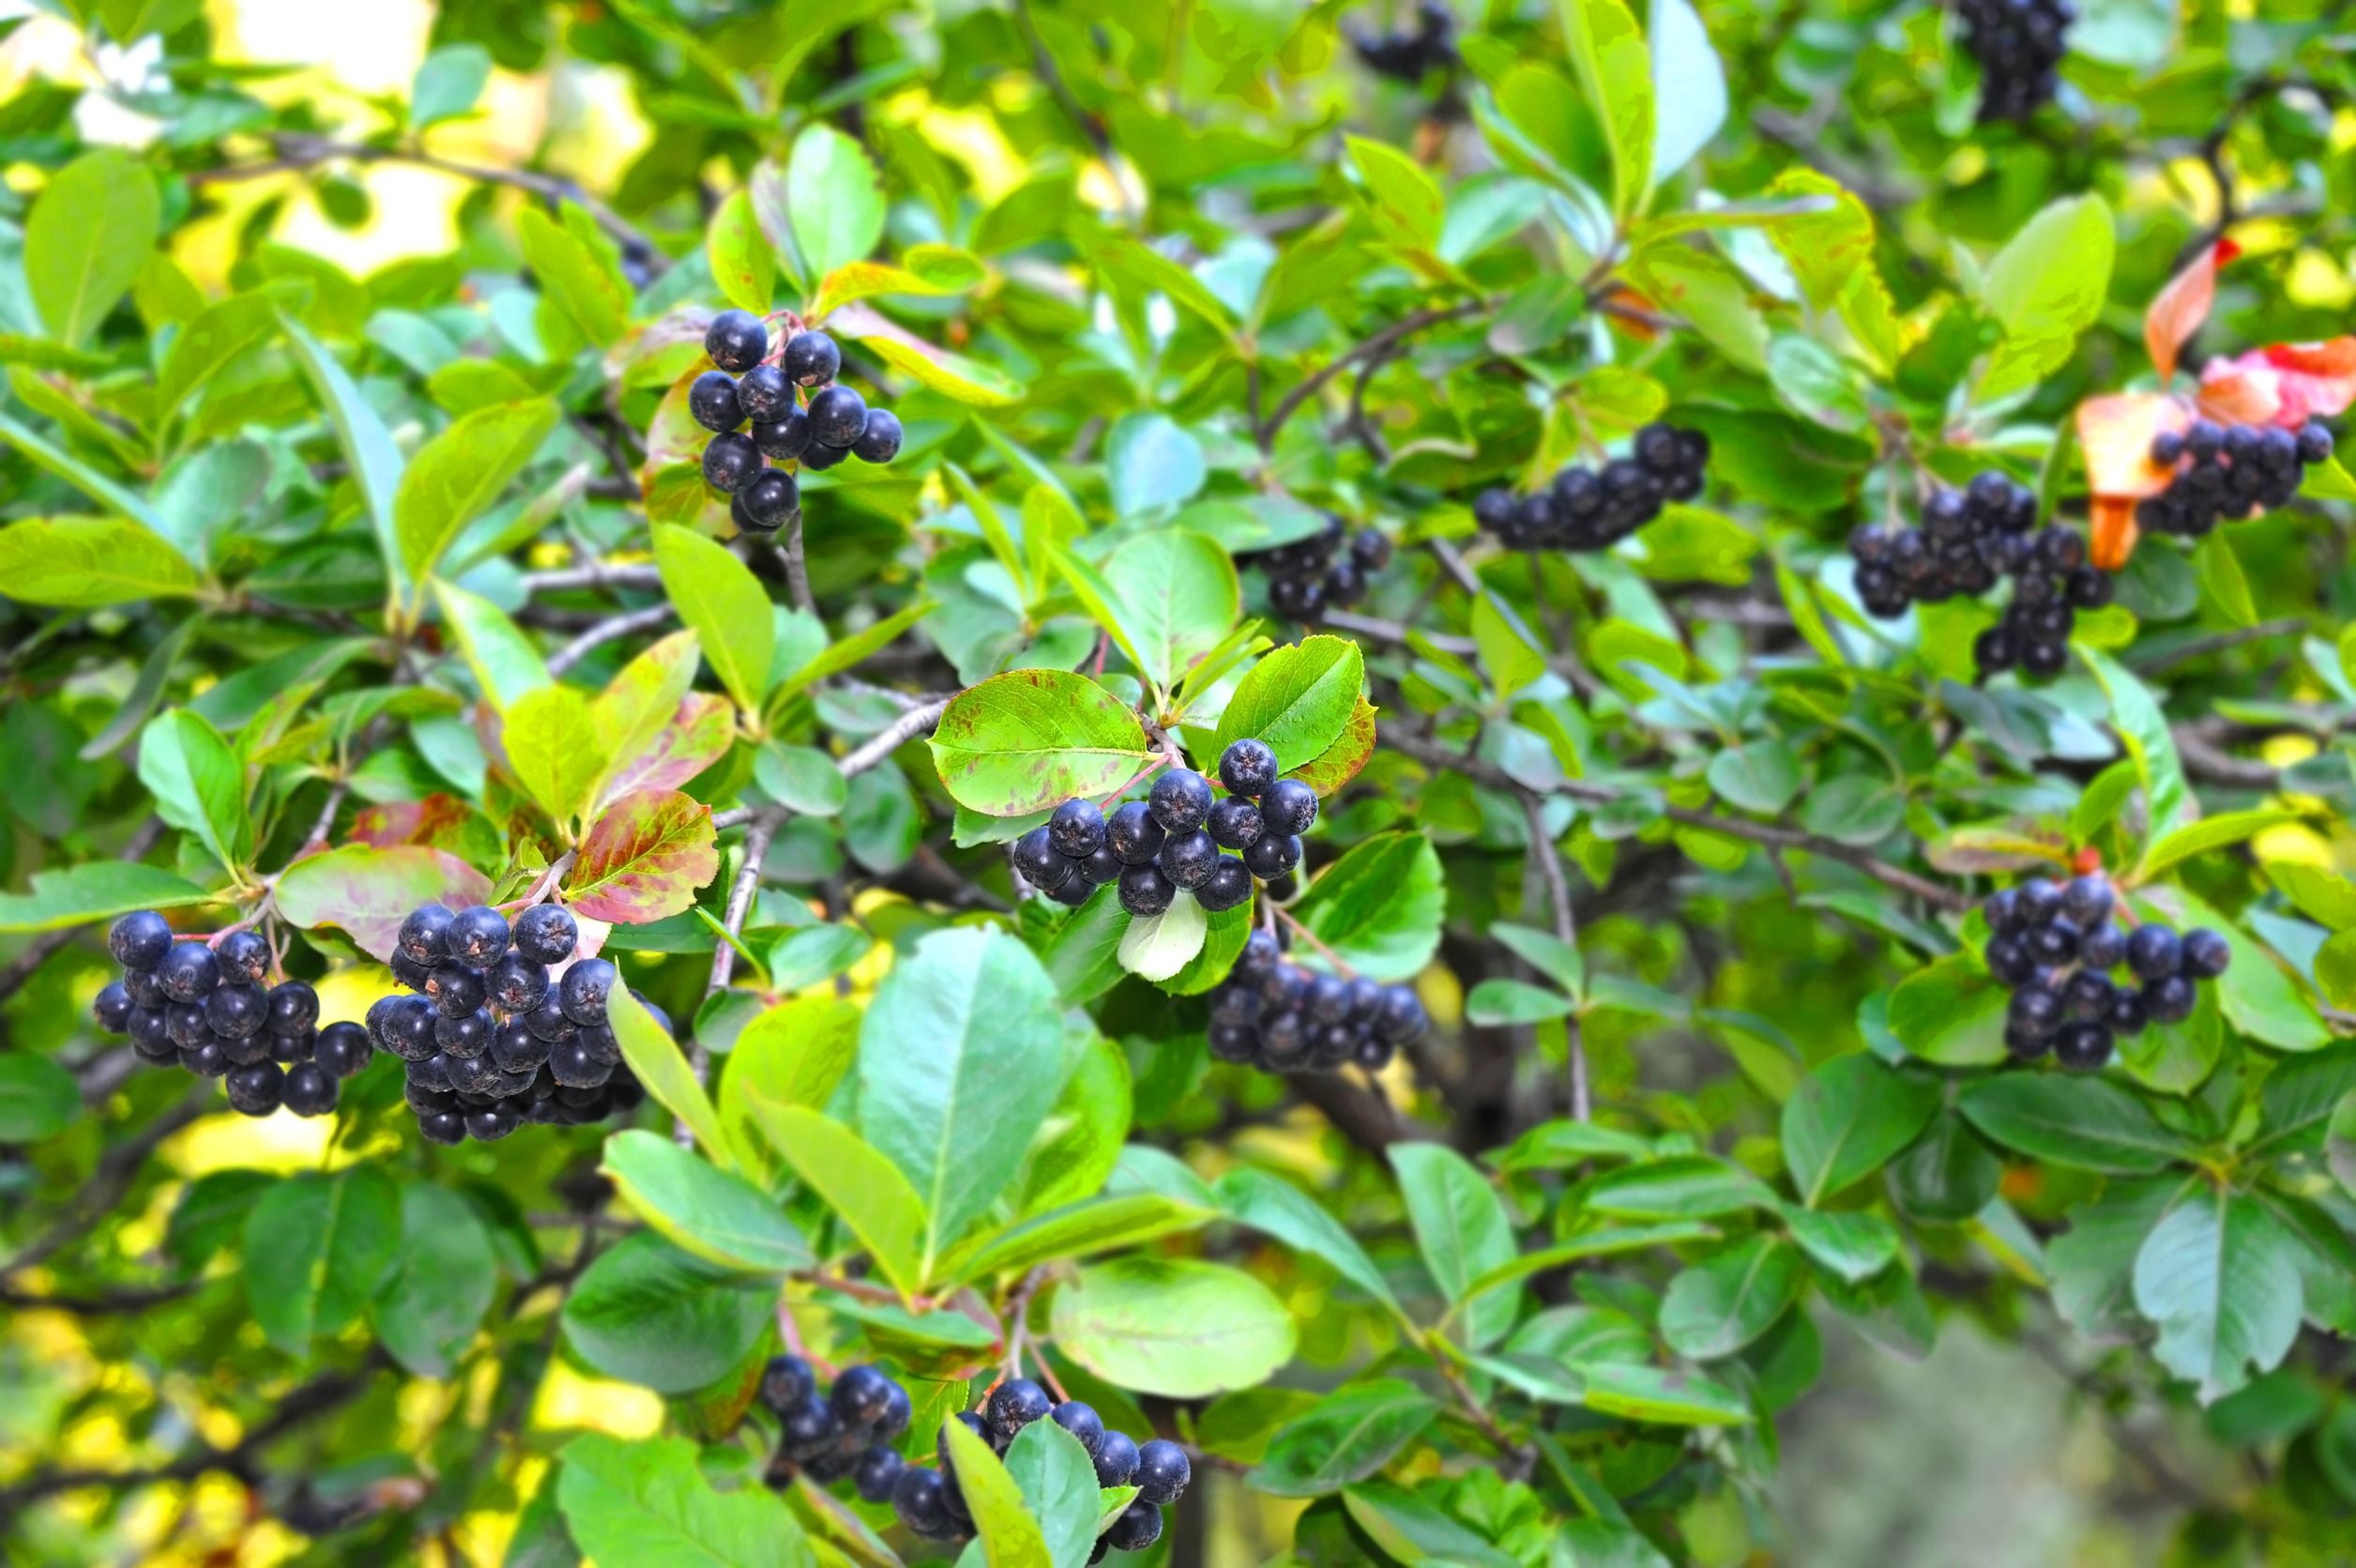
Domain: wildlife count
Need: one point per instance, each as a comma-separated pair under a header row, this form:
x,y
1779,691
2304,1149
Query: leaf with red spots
x,y
434,820
2177,313
1339,763
699,734
367,891
644,858
1029,739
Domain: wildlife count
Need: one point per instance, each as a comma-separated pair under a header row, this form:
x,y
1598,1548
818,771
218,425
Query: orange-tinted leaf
x,y
429,821
1339,763
2116,432
368,891
2286,385
697,736
2113,526
644,858
2183,305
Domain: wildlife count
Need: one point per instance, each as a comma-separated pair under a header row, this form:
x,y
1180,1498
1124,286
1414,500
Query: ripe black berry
x,y
765,395
2205,953
812,359
1116,1460
1014,1404
189,972
549,1022
422,931
456,990
516,984
1133,833
879,442
878,1474
1188,859
236,1010
785,1382
140,939
1163,1471
1082,1422
2034,1010
546,933
1228,887
1248,767
242,956
2154,952
731,462
111,1008
1144,891
737,340
585,989
1077,829
1037,857
2082,1047
713,401
466,1036
343,1049
1288,807
310,1089
1234,822
916,1499
255,1088
1272,855
771,500
817,457
786,439
477,937
1138,1527
838,417
576,1066
489,1123
293,1007
2171,999
1180,800
145,989
807,1430
442,1127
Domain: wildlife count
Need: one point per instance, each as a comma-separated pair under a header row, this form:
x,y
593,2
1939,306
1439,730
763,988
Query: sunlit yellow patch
x,y
2317,280
1442,995
568,1399
973,138
2296,843
284,1143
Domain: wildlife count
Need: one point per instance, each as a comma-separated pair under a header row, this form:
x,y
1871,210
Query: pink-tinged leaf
x,y
367,891
430,821
644,858
698,735
2286,385
672,477
2183,305
2116,432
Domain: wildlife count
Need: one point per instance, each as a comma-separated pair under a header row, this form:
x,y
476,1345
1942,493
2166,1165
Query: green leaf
x,y
1010,1538
317,1247
1058,1483
1761,776
207,344
961,1057
1092,1225
738,252
505,663
1685,1186
1030,739
1463,1231
37,1098
924,270
1831,253
2045,288
1299,698
583,285
1615,71
874,1199
2210,833
646,1312
1381,906
552,743
1605,1242
952,375
1159,946
1177,1327
1152,463
1951,1013
2223,585
1496,1003
646,1503
1855,1246
1847,1118
453,479
366,893
1689,87
369,452
1268,1204
1179,598
835,204
1505,648
2143,730
88,234
795,1054
443,1278
198,783
447,84
2219,1276
83,563
656,1059
700,1208
724,605
1404,200
2089,1123
1409,1527
1716,1307
95,891
2258,996
1656,1394
1351,1435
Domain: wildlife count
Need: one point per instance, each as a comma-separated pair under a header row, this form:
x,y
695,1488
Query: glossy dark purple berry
x,y
1116,1460
1077,829
2037,901
1132,834
765,396
785,440
585,989
574,1065
771,500
1014,1404
1163,1471
1189,858
2087,900
1248,767
1234,822
711,399
2154,952
785,1382
1228,887
2206,953
457,990
1082,1422
293,1007
737,340
2082,1047
1041,864
878,1474
731,462
140,939
242,956
236,1010
1144,891
477,937
256,1088
546,933
881,441
111,1009
1289,807
342,1048
189,972
838,417
1272,855
917,1500
810,360
1180,800
310,1089
1138,1527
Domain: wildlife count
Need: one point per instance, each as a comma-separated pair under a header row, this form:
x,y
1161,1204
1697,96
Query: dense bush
x,y
1082,763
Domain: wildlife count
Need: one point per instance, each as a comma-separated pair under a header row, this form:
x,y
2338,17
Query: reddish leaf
x,y
2286,385
368,891
697,736
430,821
672,477
2114,530
2183,305
2116,432
1339,763
644,858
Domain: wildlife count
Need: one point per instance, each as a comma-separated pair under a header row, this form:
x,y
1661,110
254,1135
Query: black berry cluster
x,y
2227,471
199,1004
1408,57
755,385
492,1040
2019,45
1328,570
1970,540
846,1433
2055,947
1281,1018
1176,837
1589,509
931,1506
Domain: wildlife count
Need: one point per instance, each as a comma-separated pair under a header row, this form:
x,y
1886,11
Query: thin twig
x,y
756,847
915,722
1549,858
1391,632
1379,343
1051,76
1465,577
596,574
2216,643
608,631
797,569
